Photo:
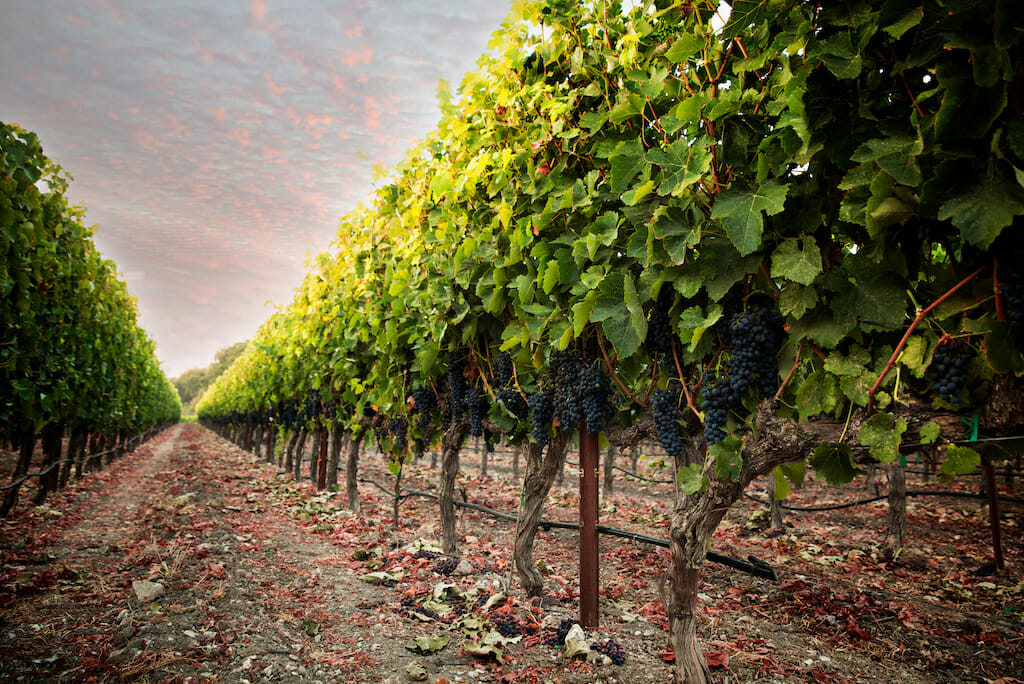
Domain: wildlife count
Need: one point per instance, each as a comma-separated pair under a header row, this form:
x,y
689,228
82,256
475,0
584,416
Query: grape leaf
x,y
982,212
834,462
728,455
691,479
740,212
959,460
797,260
930,432
682,164
626,162
881,435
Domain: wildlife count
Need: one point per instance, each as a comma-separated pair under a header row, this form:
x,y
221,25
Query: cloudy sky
x,y
216,144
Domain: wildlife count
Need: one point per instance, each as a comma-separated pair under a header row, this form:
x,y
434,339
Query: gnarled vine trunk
x,y
451,442
352,470
696,517
27,442
338,437
897,532
540,475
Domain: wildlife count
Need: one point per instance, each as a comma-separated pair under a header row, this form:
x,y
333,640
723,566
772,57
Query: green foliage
x,y
854,161
72,352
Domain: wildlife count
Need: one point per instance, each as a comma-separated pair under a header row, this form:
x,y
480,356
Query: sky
x,y
215,145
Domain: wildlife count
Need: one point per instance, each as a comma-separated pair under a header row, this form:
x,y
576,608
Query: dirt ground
x,y
190,560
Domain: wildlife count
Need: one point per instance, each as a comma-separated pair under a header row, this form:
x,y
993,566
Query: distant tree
x,y
193,383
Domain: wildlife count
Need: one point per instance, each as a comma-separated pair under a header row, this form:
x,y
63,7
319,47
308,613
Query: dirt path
x,y
189,560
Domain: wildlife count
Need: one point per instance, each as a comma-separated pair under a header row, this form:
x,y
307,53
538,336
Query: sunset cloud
x,y
216,145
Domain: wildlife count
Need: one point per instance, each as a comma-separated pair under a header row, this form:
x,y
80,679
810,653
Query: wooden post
x,y
321,471
589,460
993,515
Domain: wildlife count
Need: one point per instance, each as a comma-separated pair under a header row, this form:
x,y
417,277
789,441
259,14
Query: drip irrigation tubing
x,y
862,502
752,566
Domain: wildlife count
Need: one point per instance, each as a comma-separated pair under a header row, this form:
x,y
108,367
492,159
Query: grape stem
x,y
1000,299
611,371
921,314
682,380
789,376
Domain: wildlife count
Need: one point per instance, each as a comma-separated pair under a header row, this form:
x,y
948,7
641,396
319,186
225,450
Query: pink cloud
x,y
259,13
273,87
363,55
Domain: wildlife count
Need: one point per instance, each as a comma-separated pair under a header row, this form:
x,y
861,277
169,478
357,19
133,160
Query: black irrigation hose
x,y
41,473
912,492
752,566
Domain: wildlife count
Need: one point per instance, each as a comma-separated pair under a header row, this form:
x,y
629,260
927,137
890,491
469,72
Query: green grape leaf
x,y
881,435
691,479
782,487
728,456
959,460
682,164
740,213
834,462
985,209
626,162
930,431
797,260
685,47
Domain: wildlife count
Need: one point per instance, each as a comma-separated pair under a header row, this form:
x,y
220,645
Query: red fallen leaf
x,y
668,655
716,658
216,570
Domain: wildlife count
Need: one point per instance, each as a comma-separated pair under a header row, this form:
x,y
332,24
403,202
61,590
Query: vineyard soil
x,y
191,560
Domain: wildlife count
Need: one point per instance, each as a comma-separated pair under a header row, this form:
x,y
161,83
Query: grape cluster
x,y
456,383
398,428
1011,279
665,411
423,402
612,649
596,396
446,566
506,624
948,369
752,341
565,367
506,392
558,638
582,391
659,325
541,409
476,404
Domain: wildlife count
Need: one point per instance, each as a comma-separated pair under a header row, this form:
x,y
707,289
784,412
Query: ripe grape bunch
x,y
456,383
506,393
752,342
948,369
506,624
596,397
565,368
557,640
477,406
659,325
423,401
541,408
582,391
665,411
1011,280
612,649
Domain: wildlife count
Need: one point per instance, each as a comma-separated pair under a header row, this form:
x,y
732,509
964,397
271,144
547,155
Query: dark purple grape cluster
x,y
1011,279
506,392
446,566
948,369
752,341
398,428
557,639
659,325
541,409
506,624
423,402
566,367
665,405
476,404
503,369
612,649
456,383
423,553
596,397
